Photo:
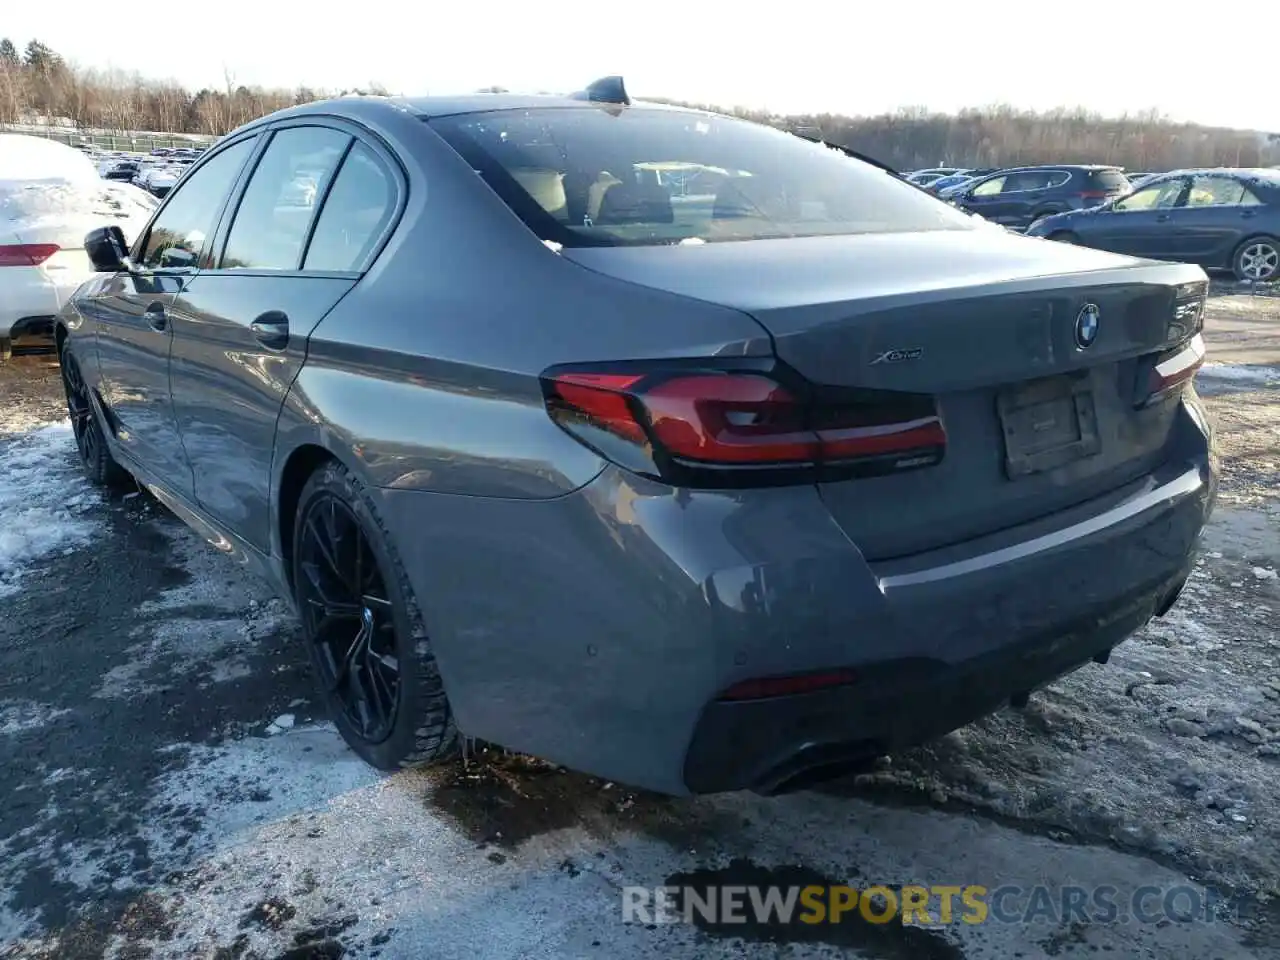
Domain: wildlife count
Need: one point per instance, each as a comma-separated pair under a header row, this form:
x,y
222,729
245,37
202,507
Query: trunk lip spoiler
x,y
1185,485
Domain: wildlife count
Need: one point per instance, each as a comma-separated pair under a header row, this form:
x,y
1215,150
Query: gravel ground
x,y
170,790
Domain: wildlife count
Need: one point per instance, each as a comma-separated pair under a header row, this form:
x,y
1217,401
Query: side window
x,y
1219,192
1028,180
180,232
1057,178
275,211
990,187
357,210
1159,196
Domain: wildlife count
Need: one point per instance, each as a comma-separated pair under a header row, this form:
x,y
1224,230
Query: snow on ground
x,y
45,502
1247,373
159,801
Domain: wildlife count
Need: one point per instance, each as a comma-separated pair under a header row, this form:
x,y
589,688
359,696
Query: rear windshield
x,y
595,176
1111,180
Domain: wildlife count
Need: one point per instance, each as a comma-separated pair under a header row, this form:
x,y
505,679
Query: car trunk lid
x,y
1034,353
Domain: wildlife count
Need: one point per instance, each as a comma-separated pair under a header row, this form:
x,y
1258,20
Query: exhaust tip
x,y
818,764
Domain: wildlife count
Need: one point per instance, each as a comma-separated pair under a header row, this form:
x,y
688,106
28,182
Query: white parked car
x,y
50,197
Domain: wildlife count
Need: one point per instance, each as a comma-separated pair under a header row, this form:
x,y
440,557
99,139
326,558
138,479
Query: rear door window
x,y
276,210
1026,180
591,176
183,227
1210,191
356,212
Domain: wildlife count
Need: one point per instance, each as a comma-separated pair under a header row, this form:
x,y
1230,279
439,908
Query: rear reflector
x,y
26,254
765,687
695,425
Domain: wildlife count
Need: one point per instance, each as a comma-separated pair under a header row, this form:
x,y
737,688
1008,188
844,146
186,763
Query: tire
x,y
91,443
1257,260
420,727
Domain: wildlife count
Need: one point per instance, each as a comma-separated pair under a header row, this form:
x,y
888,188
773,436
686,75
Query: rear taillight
x,y
1093,194
727,427
1172,370
26,254
1188,311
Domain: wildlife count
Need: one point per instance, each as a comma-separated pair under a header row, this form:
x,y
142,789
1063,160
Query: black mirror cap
x,y
107,248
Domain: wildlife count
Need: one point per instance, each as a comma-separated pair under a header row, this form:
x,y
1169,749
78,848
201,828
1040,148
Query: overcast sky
x,y
792,56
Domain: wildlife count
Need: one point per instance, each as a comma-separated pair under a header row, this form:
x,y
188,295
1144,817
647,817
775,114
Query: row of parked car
x,y
1219,218
155,172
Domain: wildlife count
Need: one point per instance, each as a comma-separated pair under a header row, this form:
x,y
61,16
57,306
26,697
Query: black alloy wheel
x,y
348,618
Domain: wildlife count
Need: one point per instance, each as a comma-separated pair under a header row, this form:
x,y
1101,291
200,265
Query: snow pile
x,y
35,158
43,499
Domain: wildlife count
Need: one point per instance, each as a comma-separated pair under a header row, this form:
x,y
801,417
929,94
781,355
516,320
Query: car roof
x,y
1245,173
448,106
1057,166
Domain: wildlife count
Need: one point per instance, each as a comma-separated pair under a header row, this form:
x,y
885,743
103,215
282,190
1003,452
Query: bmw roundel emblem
x,y
1087,325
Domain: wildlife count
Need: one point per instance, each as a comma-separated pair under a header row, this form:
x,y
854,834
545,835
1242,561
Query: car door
x,y
1219,211
131,316
306,223
984,199
1021,197
1139,225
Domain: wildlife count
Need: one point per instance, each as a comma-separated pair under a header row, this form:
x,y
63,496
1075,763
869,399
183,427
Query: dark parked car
x,y
698,492
124,171
1221,219
1019,196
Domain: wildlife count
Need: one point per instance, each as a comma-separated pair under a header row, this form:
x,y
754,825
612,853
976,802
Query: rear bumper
x,y
599,629
31,297
895,703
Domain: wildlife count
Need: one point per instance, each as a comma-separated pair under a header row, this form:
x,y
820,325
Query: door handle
x,y
1247,215
271,329
156,317
1162,217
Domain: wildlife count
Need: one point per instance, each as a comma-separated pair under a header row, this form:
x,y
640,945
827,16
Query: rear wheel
x,y
1257,260
99,466
368,646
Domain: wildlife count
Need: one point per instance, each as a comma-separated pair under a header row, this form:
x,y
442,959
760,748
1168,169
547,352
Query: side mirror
x,y
107,249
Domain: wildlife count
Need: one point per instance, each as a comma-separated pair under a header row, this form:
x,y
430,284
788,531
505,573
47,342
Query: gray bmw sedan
x,y
677,449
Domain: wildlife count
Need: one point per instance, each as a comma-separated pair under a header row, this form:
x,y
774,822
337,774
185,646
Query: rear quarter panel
x,y
425,377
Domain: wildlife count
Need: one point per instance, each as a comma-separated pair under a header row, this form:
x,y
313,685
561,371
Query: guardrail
x,y
136,142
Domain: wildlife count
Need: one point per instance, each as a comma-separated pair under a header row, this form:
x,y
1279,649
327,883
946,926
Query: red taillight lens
x,y
1093,194
602,398
720,418
1173,369
679,425
26,254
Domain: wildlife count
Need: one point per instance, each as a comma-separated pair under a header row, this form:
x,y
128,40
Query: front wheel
x,y
368,647
99,466
1257,260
